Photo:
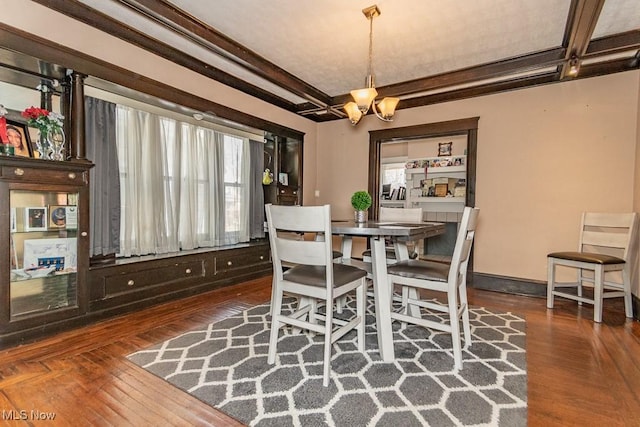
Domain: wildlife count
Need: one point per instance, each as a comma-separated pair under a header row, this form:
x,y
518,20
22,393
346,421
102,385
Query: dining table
x,y
377,232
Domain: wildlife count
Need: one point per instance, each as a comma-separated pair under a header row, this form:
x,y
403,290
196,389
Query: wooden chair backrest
x,y
408,215
608,233
282,220
464,242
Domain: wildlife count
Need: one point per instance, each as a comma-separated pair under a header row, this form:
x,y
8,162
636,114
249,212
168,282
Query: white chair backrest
x,y
464,242
408,215
608,233
282,220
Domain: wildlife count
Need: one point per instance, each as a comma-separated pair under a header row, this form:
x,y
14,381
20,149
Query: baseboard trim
x,y
534,288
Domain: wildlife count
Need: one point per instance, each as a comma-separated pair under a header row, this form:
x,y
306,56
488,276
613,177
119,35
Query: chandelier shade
x,y
364,98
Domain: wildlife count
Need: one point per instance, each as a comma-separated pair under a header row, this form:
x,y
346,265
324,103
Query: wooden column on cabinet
x,y
78,149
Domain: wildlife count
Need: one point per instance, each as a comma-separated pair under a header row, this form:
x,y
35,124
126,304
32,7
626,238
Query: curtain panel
x,y
183,186
104,180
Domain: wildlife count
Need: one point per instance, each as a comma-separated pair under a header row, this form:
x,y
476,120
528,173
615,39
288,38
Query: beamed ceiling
x,y
306,55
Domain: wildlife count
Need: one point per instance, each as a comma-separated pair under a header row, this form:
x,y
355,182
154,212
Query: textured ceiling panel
x,y
325,43
618,16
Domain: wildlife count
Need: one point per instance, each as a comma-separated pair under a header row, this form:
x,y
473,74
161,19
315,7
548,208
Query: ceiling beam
x,y
582,20
208,37
89,16
492,70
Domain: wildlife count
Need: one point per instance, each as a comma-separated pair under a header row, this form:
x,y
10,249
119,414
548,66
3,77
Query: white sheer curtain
x,y
182,186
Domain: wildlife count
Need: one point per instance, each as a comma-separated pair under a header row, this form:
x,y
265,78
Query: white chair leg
x,y
276,308
628,299
326,364
551,276
580,271
361,310
466,324
597,293
455,330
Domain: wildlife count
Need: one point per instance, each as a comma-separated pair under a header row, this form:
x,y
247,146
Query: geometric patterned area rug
x,y
225,365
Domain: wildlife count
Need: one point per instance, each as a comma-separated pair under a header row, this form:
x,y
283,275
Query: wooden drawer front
x,y
25,174
230,263
136,280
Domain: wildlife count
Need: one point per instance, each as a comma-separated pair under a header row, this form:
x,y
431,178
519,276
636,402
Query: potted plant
x,y
361,201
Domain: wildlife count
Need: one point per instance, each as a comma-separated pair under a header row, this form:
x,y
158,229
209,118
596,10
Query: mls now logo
x,y
15,415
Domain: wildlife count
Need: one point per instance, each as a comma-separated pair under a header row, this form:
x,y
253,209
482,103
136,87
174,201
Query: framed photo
x,y
35,219
444,148
57,216
441,190
283,178
16,135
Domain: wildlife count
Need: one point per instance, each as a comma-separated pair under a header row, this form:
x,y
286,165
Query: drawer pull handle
x,y
83,234
261,256
188,271
131,282
229,263
72,175
18,171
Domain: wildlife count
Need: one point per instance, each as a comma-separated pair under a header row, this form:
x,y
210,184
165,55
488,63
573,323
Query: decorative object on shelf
x,y
361,201
283,178
365,98
51,139
267,177
444,148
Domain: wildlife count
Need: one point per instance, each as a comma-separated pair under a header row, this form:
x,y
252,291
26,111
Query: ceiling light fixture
x,y
574,66
365,98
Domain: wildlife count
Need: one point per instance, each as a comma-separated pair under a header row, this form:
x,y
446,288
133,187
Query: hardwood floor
x,y
580,373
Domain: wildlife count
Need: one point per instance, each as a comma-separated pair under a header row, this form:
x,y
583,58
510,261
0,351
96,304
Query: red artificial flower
x,y
34,112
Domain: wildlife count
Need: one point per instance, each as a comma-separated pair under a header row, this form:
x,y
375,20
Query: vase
x,y
360,217
50,145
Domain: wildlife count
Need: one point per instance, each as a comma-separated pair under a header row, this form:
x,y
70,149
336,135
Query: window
x,y
182,186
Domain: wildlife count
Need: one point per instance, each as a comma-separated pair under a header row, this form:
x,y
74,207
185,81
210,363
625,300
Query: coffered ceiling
x,y
306,55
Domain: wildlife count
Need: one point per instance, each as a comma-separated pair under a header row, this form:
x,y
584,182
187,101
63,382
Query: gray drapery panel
x,y
256,214
104,184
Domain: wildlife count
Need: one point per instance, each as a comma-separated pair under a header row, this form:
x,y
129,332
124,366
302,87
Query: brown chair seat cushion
x,y
391,253
337,254
418,269
587,257
315,275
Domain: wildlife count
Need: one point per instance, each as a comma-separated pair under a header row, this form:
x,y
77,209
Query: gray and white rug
x,y
225,365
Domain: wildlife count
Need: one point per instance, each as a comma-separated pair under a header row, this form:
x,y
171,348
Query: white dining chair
x,y
400,215
449,279
314,278
607,245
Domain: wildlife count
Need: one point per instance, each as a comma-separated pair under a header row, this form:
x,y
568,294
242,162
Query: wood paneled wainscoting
x,y
579,373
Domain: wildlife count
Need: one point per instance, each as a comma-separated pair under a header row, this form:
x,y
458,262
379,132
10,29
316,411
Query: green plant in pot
x,y
361,201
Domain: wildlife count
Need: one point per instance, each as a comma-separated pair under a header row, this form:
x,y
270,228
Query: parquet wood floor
x,y
580,373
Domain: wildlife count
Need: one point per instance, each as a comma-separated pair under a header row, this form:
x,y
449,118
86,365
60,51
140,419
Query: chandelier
x,y
365,98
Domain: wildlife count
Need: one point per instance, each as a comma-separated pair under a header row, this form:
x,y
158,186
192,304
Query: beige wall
x,y
544,154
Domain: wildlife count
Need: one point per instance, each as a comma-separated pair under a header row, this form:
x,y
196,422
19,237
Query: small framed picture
x,y
35,219
444,148
441,190
15,135
57,216
283,178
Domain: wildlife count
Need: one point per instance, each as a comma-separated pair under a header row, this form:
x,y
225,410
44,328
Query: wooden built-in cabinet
x,y
134,283
283,157
44,232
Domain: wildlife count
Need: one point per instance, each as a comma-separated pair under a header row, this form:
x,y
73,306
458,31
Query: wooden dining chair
x,y
449,279
400,215
314,278
607,244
